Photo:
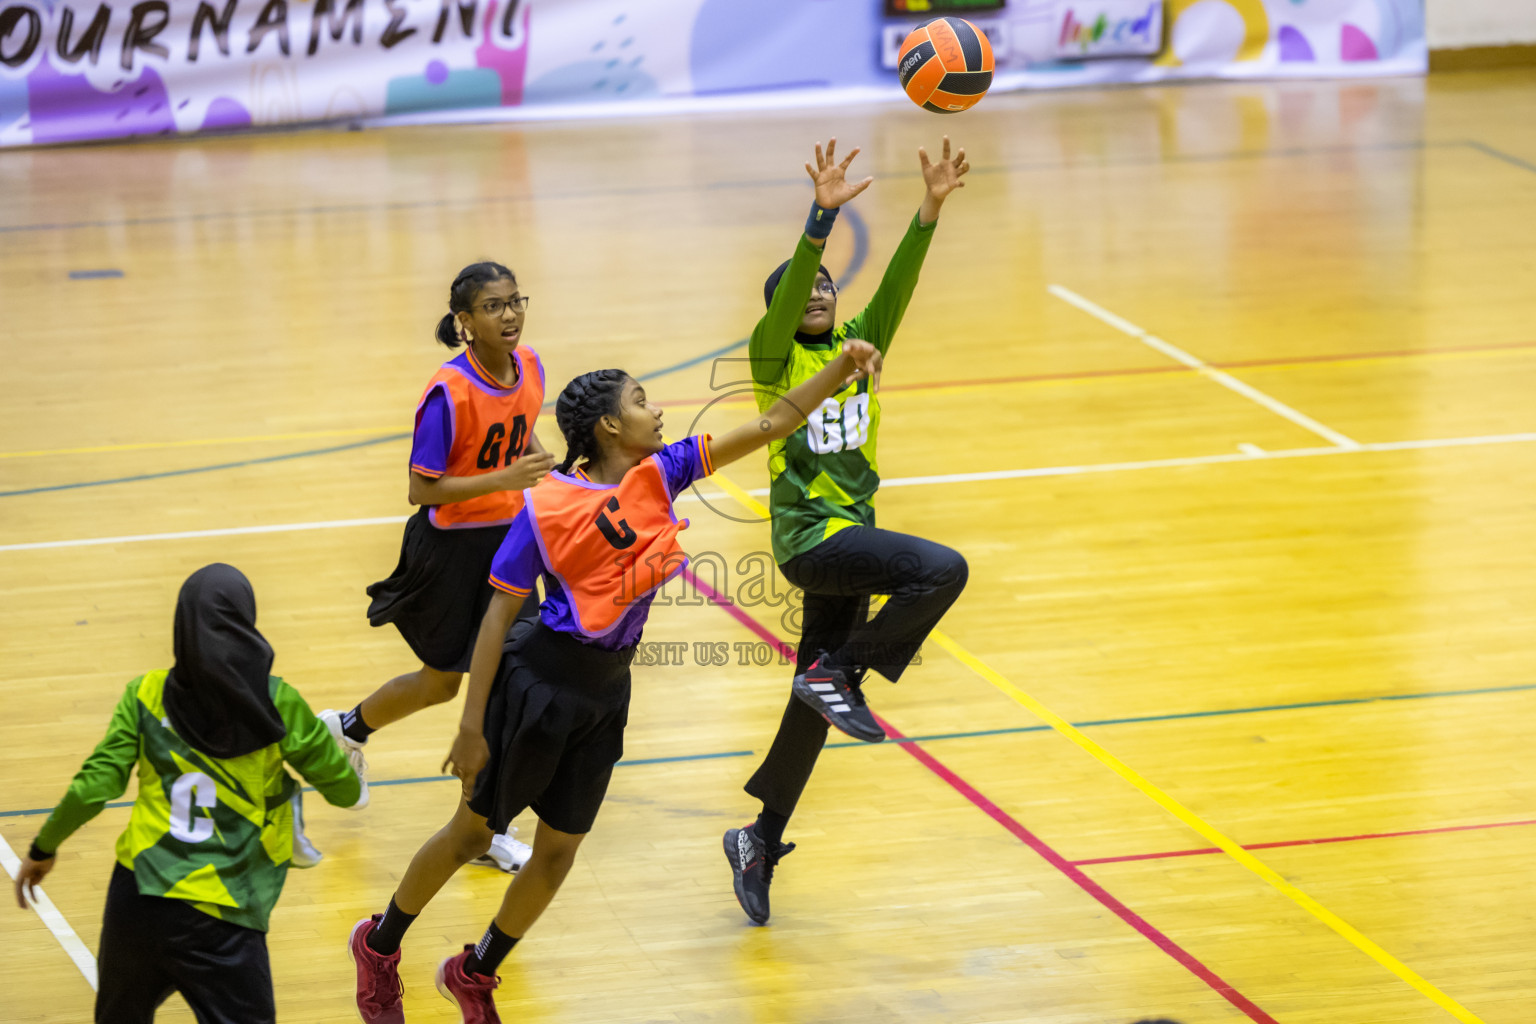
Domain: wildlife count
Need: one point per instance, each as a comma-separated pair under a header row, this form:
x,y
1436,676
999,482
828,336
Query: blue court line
x,y
937,737
332,449
651,190
206,469
1499,154
90,275
855,264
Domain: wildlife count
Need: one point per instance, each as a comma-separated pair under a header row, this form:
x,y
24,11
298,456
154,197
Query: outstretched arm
x,y
941,178
774,334
858,359
879,320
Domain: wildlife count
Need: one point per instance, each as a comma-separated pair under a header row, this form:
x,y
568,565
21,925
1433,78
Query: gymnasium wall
x,y
1461,23
73,70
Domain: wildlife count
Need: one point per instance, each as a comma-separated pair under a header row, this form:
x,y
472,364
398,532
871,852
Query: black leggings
x,y
838,576
152,946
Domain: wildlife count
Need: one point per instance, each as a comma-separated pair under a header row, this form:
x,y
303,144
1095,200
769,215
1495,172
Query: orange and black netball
x,y
946,65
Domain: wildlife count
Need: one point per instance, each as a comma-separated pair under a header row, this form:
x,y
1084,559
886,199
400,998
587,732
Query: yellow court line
x,y
736,491
1169,804
1205,829
197,442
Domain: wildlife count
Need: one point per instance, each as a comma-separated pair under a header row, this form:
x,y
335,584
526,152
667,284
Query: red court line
x,y
1024,835
1138,371
1304,842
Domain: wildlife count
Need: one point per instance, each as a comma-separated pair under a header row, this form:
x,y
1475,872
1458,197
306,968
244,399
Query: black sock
x,y
386,935
770,827
492,949
353,727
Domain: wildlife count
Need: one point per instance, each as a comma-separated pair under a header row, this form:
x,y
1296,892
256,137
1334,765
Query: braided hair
x,y
584,401
461,295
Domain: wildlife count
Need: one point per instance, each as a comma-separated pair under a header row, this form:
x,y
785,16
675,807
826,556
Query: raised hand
x,y
832,187
943,177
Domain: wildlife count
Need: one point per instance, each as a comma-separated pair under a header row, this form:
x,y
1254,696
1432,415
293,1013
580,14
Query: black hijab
x,y
772,285
217,696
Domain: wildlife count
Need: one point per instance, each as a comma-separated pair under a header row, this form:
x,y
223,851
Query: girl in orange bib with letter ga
x,y
544,718
473,452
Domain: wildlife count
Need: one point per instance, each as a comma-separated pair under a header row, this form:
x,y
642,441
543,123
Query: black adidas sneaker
x,y
836,696
752,865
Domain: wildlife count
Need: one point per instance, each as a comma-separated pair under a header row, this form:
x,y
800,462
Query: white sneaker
x,y
353,750
506,853
304,853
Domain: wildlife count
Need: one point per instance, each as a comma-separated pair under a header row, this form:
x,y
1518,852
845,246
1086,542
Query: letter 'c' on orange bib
x,y
608,545
491,427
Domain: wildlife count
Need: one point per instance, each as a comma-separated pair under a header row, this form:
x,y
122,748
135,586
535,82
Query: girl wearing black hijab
x,y
208,844
824,479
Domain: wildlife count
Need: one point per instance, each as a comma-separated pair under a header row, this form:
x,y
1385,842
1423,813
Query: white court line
x,y
53,919
1221,377
901,481
232,531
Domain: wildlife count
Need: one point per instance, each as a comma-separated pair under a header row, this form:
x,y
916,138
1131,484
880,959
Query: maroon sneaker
x,y
378,977
471,993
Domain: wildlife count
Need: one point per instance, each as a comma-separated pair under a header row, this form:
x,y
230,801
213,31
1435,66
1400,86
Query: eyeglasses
x,y
495,307
824,287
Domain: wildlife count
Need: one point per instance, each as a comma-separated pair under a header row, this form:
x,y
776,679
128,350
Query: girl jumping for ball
x,y
544,717
474,451
821,497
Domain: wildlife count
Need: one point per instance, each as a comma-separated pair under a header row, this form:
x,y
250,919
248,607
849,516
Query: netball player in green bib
x,y
210,838
824,478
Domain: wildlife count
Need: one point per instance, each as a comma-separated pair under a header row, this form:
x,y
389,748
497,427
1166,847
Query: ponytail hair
x,y
584,401
461,295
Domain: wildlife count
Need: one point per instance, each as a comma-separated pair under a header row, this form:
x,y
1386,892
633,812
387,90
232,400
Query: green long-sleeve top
x,y
217,832
825,475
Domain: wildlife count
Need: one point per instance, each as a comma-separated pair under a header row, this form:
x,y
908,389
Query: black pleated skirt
x,y
438,593
555,727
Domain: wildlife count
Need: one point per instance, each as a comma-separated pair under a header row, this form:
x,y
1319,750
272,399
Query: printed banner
x,y
73,70
1109,28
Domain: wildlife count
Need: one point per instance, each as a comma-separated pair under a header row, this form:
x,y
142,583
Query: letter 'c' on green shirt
x,y
216,832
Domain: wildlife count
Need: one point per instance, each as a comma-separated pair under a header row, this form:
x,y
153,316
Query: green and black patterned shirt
x,y
824,475
216,832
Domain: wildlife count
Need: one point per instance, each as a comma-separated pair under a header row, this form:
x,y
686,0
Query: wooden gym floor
x,y
1223,390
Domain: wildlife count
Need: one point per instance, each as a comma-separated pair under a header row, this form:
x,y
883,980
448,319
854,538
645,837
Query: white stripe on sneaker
x,y
840,707
822,687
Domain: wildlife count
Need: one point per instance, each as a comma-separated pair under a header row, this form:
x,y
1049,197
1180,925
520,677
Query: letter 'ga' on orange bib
x,y
491,427
609,546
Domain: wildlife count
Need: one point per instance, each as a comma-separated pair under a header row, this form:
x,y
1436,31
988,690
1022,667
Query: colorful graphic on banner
x,y
1109,28
72,70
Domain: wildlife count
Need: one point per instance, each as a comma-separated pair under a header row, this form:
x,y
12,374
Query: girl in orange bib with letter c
x,y
543,721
